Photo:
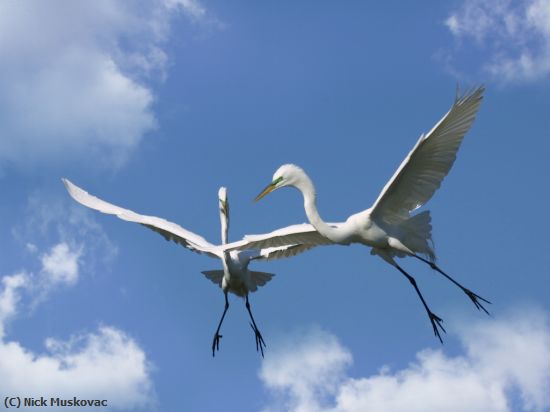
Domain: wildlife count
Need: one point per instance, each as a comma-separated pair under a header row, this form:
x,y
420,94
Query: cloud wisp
x,y
50,217
504,362
73,79
514,36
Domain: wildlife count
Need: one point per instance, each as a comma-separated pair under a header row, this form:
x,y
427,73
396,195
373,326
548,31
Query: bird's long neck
x,y
224,220
305,185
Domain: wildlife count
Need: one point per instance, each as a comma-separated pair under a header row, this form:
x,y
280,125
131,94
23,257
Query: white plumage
x,y
388,227
235,277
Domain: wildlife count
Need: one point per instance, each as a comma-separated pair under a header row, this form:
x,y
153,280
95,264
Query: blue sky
x,y
154,105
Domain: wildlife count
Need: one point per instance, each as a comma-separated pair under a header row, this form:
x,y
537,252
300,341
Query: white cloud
x,y
191,7
310,371
514,36
61,264
502,358
59,267
51,217
106,364
72,77
9,297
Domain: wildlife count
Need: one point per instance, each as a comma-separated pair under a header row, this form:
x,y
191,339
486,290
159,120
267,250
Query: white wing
x,y
169,230
284,242
422,171
280,252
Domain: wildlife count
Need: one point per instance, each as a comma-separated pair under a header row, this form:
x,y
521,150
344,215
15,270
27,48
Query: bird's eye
x,y
277,181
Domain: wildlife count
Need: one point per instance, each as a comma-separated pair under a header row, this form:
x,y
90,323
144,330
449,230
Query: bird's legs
x,y
434,319
473,297
217,336
260,344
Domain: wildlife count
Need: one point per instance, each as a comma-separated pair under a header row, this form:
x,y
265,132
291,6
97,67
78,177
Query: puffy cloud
x,y
106,364
309,371
60,267
61,264
515,36
72,79
501,359
102,364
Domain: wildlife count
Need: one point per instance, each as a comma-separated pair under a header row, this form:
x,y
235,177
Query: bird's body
x,y
388,227
386,238
360,228
235,277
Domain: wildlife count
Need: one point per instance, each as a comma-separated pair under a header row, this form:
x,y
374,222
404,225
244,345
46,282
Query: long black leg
x,y
260,344
473,297
217,336
434,319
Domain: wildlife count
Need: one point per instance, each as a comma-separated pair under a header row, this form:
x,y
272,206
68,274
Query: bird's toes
x,y
435,318
481,307
474,298
260,343
216,343
436,324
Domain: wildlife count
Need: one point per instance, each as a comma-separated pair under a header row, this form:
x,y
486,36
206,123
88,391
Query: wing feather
x,y
281,252
430,160
285,242
169,230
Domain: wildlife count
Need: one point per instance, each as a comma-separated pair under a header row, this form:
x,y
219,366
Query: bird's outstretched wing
x,y
281,252
285,242
169,230
422,171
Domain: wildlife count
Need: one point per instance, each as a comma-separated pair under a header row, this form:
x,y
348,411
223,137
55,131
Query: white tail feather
x,y
257,279
417,234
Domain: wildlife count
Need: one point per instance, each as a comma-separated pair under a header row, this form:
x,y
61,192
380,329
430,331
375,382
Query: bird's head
x,y
222,200
286,175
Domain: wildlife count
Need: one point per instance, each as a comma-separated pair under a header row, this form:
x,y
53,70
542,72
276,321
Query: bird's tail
x,y
417,234
259,279
215,276
256,278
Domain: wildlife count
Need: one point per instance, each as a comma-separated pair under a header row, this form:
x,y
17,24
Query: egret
x,y
388,227
235,276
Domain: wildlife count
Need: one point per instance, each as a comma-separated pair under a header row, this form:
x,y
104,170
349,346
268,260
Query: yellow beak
x,y
268,189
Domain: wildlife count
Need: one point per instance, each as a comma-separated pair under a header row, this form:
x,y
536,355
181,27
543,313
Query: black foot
x,y
474,298
436,322
216,343
260,343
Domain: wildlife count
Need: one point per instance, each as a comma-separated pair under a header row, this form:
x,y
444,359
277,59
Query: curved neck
x,y
224,220
305,185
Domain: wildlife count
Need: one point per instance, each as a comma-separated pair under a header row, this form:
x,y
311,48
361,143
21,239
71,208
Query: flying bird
x,y
235,277
389,226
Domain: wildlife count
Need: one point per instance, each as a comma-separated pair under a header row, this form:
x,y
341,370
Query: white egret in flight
x,y
388,227
235,276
